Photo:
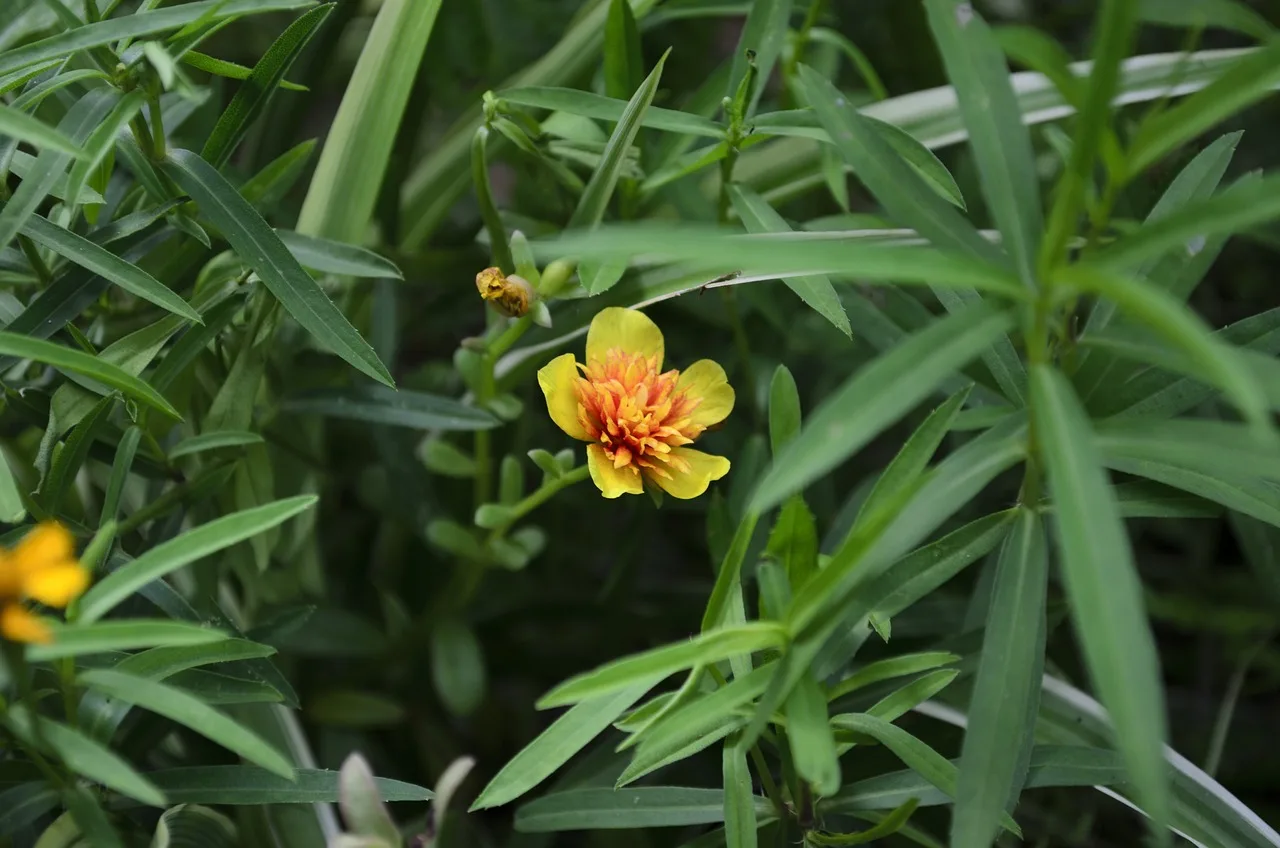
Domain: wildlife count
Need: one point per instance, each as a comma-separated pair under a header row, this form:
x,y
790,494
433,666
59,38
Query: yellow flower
x,y
637,417
42,567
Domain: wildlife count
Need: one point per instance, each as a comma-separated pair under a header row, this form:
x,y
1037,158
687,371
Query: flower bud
x,y
510,294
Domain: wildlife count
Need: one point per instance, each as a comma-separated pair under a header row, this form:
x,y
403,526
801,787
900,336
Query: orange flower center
x,y
636,413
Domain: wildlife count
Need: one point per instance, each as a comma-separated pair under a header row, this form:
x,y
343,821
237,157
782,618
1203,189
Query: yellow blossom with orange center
x,y
42,567
637,418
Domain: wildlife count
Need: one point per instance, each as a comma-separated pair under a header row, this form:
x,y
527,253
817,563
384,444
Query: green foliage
x,y
1017,319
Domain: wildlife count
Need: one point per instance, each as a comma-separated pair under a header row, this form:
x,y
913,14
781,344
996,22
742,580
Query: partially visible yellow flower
x,y
638,418
42,567
510,294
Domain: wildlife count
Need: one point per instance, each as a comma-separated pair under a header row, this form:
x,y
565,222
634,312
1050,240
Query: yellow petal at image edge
x,y
703,468
632,331
611,481
556,379
57,585
705,382
20,625
47,544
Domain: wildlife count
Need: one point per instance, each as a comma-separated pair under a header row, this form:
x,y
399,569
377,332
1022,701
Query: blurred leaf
x,y
1251,496
1103,587
190,712
875,397
1006,696
739,799
794,540
1000,143
1217,447
102,33
566,736
12,508
163,559
344,190
759,217
261,249
1194,14
83,756
656,664
213,441
23,127
249,785
813,748
73,640
763,35
190,826
646,806
333,257
252,97
99,144
1251,78
362,809
457,666
22,805
611,109
88,255
400,408
623,60
91,818
784,409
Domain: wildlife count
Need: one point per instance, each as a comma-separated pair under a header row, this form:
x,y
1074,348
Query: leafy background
x,y
393,646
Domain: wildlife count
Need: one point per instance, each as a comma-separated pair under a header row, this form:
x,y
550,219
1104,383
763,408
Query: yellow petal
x,y
611,481
632,331
703,468
705,382
556,379
56,586
47,544
21,625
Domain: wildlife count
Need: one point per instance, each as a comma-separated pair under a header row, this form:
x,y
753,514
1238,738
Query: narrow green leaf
x,y
23,127
875,397
213,441
261,249
103,33
595,197
590,105
1103,588
784,409
739,799
404,408
344,190
1251,496
12,507
66,465
91,818
704,649
1251,78
73,640
568,735
763,34
1001,143
101,140
252,786
1006,697
252,97
78,362
1180,327
1198,14
1114,27
794,541
83,756
189,711
624,809
813,748
888,669
759,217
49,168
333,257
623,59
229,70
1214,446
106,264
911,461
163,559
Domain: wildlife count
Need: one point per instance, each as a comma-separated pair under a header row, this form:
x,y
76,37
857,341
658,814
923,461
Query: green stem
x,y
42,272
538,498
158,143
757,758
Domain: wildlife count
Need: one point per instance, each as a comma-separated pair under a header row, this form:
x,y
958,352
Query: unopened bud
x,y
510,294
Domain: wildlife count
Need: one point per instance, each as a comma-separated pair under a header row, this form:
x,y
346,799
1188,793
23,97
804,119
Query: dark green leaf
x,y
249,785
378,405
